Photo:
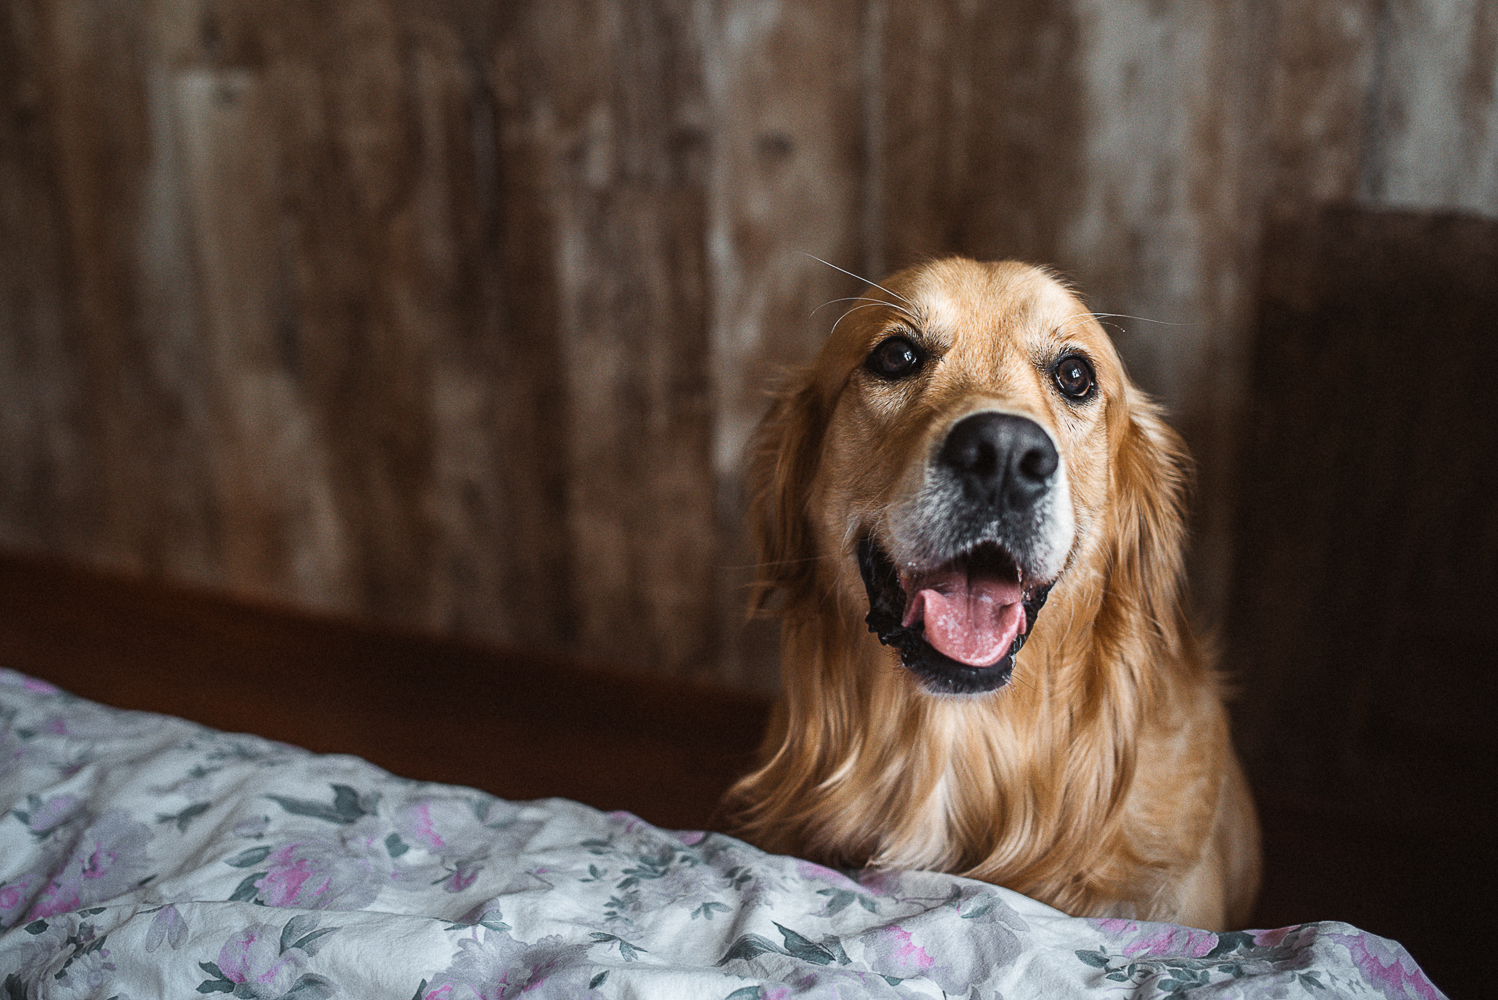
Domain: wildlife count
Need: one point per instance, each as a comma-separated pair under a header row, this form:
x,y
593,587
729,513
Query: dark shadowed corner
x,y
1362,632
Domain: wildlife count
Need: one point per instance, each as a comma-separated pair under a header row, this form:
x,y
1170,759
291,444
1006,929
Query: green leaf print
x,y
347,806
249,858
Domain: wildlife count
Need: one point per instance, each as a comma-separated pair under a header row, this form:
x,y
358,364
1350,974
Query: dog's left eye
x,y
895,357
1074,377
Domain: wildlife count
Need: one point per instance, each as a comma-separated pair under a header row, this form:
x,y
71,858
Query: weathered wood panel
x,y
47,444
616,102
789,154
1436,101
458,315
984,118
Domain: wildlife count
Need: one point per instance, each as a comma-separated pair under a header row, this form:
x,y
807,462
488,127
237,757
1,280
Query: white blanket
x,y
143,856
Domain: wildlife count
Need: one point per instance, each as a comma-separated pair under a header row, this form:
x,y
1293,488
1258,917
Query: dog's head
x,y
965,445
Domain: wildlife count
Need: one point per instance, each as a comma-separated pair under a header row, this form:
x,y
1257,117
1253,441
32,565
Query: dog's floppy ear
x,y
784,454
1151,472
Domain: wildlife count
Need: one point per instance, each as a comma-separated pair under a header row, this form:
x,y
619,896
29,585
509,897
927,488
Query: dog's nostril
x,y
1000,458
976,455
1038,463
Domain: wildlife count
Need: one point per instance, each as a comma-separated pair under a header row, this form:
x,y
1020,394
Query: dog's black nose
x,y
1000,458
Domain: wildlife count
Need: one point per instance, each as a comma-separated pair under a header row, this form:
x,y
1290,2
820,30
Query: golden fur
x,y
1100,779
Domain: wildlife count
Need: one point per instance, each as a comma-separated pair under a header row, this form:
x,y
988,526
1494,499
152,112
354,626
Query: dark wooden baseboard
x,y
524,726
520,726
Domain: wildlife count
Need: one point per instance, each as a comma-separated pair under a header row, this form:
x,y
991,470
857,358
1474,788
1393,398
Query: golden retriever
x,y
973,521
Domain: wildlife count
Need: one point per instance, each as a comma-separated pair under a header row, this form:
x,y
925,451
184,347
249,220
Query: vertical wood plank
x,y
47,458
467,500
785,84
1438,106
610,107
1169,220
278,528
107,145
1322,81
984,123
527,375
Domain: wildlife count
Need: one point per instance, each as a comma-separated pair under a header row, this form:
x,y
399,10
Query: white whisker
x,y
860,277
1142,319
869,305
1102,320
775,563
863,298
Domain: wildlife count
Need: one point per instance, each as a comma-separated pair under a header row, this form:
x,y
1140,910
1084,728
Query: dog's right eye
x,y
1075,378
895,357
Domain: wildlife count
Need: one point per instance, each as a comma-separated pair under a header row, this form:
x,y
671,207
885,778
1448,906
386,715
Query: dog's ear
x,y
1151,475
783,460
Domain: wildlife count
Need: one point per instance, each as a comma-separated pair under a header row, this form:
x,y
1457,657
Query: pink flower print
x,y
419,825
880,881
494,966
819,873
909,953
897,955
12,898
1170,941
36,686
253,960
923,947
446,828
1387,966
630,821
108,860
282,884
463,876
1115,926
1271,938
323,874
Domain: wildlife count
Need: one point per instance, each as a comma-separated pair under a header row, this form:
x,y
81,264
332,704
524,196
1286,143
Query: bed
x,y
146,856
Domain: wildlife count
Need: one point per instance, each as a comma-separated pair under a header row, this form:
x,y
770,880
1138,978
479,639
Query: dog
x,y
970,524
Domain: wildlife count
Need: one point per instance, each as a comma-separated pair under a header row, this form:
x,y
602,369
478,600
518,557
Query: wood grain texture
x,y
789,153
985,121
457,316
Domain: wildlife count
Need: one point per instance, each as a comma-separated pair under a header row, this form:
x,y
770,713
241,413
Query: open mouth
x,y
957,626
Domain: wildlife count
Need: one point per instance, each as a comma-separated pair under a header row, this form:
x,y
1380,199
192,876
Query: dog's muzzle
x,y
984,543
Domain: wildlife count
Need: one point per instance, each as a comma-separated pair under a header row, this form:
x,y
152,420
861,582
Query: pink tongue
x,y
973,620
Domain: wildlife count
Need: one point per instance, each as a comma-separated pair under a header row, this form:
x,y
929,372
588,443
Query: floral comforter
x,y
143,856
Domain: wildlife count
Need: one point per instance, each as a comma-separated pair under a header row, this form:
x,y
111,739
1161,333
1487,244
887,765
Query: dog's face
x,y
970,414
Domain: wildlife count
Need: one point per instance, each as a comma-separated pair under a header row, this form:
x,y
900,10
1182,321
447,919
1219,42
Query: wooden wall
x,y
456,315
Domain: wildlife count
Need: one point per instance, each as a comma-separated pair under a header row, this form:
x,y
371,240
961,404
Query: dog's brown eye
x,y
1074,377
895,357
